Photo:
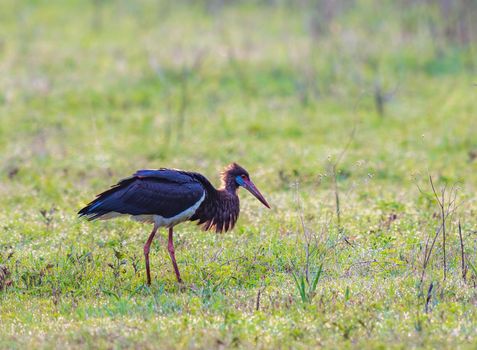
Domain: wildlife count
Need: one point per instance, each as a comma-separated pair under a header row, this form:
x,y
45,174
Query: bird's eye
x,y
243,177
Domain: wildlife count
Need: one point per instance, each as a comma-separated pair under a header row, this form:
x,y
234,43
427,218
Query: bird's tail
x,y
103,207
93,210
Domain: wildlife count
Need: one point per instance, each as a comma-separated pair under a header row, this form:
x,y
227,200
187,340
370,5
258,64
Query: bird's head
x,y
235,176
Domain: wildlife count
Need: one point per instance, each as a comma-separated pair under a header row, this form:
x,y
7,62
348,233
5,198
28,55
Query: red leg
x,y
147,246
170,247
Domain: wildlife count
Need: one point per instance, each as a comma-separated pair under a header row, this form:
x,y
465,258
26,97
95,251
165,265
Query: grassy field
x,y
362,99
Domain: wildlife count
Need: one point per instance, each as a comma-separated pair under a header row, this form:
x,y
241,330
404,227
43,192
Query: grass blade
x,y
316,279
300,286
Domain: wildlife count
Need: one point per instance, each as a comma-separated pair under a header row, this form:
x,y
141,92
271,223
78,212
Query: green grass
x,y
91,91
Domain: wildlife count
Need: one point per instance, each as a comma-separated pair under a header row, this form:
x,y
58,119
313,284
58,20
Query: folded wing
x,y
163,192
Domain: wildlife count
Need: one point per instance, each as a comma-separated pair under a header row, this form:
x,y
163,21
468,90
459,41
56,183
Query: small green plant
x,y
306,288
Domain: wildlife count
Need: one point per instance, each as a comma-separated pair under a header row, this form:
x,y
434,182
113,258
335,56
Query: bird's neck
x,y
229,185
226,194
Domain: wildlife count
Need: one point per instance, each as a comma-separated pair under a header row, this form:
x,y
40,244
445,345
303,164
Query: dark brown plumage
x,y
220,209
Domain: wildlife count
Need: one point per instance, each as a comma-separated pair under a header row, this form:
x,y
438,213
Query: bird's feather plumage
x,y
169,196
219,213
161,192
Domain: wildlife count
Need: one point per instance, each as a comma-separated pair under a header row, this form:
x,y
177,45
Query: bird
x,y
167,197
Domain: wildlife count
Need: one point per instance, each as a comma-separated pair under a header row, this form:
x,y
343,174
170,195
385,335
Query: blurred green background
x,y
119,85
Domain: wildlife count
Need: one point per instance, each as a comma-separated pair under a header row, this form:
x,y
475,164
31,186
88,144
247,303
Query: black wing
x,y
163,192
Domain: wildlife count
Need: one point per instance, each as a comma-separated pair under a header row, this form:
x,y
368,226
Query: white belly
x,y
161,221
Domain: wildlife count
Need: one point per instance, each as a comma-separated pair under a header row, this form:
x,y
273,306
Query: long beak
x,y
249,186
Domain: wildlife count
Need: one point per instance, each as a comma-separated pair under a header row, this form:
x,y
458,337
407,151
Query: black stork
x,y
167,197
